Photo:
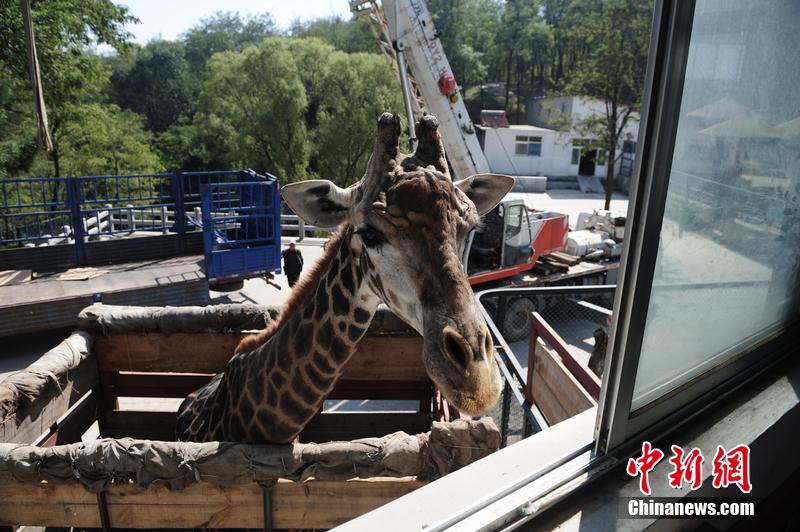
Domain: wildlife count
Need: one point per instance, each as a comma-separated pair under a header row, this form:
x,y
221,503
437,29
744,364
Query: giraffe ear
x,y
319,202
486,190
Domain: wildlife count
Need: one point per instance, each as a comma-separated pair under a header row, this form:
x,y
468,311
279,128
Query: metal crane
x,y
406,35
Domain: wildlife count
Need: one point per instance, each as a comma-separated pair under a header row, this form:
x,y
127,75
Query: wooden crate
x,y
557,384
387,365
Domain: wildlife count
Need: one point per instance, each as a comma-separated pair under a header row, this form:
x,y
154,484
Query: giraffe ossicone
x,y
402,230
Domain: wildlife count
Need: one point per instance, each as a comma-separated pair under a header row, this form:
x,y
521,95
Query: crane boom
x,y
431,85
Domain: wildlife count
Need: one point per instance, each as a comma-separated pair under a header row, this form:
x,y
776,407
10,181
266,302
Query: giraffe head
x,y
410,224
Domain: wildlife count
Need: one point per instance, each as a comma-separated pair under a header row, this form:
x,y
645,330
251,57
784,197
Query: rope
x,y
41,111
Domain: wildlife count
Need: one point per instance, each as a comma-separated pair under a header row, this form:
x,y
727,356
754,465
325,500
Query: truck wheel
x,y
517,324
229,286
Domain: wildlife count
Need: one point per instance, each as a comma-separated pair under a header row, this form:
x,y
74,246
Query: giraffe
x,y
402,229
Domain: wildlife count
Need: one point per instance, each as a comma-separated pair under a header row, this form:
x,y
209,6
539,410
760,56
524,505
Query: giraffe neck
x,y
299,365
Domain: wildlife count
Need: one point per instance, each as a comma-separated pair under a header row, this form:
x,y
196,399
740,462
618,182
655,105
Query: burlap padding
x,y
20,389
112,319
446,448
105,320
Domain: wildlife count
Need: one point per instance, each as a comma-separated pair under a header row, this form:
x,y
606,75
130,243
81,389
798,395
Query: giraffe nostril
x,y
488,345
456,349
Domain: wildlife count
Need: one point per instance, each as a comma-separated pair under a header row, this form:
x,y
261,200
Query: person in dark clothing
x,y
292,263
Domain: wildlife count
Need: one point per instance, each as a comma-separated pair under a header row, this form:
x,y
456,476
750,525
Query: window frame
x,y
526,145
617,425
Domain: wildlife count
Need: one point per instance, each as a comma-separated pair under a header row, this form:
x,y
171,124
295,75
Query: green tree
x,y
251,110
616,34
346,35
102,139
467,30
157,85
520,29
18,143
63,30
181,148
223,32
356,90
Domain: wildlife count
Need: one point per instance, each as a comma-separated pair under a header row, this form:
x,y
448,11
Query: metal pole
x,y
266,499
506,411
180,210
401,67
74,201
164,220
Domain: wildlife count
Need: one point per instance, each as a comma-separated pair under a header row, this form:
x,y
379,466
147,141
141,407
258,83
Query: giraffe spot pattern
x,y
361,315
341,307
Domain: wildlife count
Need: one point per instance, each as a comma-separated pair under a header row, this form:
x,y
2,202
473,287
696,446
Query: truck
x,y
516,246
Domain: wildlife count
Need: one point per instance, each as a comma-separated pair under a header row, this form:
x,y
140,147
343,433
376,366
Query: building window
x,y
576,155
528,146
629,146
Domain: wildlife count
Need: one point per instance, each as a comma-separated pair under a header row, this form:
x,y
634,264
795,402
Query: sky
x,y
170,18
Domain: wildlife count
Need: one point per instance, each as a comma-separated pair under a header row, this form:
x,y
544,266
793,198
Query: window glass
x,y
517,237
576,156
726,273
514,225
535,146
629,146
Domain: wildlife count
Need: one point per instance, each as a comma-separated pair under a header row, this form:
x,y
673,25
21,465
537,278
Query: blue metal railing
x,y
73,210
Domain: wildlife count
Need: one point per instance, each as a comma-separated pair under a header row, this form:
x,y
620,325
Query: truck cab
x,y
510,239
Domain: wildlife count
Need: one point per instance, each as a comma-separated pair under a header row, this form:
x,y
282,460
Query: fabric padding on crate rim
x,y
23,387
105,320
97,464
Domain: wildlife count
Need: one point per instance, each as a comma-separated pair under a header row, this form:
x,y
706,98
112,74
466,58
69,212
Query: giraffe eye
x,y
370,236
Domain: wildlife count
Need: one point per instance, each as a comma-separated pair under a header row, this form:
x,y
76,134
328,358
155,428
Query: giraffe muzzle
x,y
464,369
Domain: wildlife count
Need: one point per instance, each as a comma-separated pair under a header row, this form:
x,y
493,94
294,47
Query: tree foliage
x,y
349,36
224,32
235,92
252,103
616,33
70,76
158,85
356,90
297,107
100,139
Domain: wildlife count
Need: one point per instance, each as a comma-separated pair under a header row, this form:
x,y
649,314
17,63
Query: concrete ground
x,y
257,291
572,202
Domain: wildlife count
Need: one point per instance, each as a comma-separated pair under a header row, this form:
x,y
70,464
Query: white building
x,y
541,149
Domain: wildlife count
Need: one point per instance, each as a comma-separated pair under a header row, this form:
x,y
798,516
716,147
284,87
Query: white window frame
x,y
527,141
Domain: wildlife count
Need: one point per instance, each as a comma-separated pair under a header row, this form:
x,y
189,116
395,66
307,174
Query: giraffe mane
x,y
300,292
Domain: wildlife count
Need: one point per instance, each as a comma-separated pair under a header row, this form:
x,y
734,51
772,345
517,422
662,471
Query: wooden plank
x,y
343,426
377,357
589,381
554,389
157,352
71,426
387,358
309,504
30,423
